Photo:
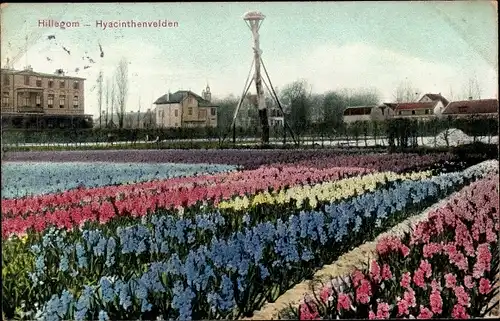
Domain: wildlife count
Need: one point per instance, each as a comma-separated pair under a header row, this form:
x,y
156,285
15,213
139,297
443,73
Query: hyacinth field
x,y
218,234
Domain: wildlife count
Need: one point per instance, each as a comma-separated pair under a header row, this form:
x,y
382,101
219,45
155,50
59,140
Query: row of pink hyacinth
x,y
136,201
442,270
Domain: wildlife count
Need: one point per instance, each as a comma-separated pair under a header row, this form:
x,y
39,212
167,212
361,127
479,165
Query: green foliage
x,y
16,285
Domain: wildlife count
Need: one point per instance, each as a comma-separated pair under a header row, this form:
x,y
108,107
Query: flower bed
x,y
78,206
375,162
28,179
227,277
249,159
446,268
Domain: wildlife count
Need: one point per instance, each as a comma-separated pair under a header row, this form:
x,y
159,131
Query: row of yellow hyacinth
x,y
327,191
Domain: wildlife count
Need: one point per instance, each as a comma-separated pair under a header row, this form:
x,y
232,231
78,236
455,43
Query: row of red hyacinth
x,y
270,175
446,268
135,201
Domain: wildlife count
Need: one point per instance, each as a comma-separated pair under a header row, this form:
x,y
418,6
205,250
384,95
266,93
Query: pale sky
x,y
437,46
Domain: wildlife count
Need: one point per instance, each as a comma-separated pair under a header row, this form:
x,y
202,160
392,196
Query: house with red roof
x,y
416,110
427,98
468,108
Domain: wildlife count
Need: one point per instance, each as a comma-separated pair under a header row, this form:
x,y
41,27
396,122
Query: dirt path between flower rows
x,y
344,265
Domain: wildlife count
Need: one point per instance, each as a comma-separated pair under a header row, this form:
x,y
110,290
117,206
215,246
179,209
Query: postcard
x,y
249,160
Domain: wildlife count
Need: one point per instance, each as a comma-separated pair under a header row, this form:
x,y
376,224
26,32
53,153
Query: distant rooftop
x,y
179,96
480,106
40,74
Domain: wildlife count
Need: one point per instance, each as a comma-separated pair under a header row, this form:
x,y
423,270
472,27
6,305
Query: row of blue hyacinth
x,y
24,178
215,274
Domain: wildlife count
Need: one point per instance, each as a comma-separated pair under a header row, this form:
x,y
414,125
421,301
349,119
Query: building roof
x,y
439,97
411,106
40,74
481,106
179,96
360,107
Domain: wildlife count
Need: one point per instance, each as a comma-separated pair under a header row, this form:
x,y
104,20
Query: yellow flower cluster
x,y
321,192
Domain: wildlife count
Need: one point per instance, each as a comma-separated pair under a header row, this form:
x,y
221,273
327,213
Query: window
x,y
38,81
176,113
62,101
38,100
51,83
462,109
23,99
50,101
413,112
190,111
213,111
6,80
176,124
400,113
76,84
427,111
75,101
5,99
27,80
61,83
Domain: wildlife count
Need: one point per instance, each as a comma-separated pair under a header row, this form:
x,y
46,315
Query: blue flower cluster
x,y
161,234
22,179
217,273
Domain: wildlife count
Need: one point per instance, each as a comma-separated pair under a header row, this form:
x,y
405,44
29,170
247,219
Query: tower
x,y
254,21
206,94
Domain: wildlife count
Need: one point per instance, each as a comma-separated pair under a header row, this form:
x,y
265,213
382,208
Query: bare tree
x,y
107,102
451,95
361,96
299,94
99,99
113,101
471,89
406,93
121,79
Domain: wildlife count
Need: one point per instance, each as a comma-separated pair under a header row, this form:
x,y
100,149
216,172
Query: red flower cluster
x,y
464,231
74,207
